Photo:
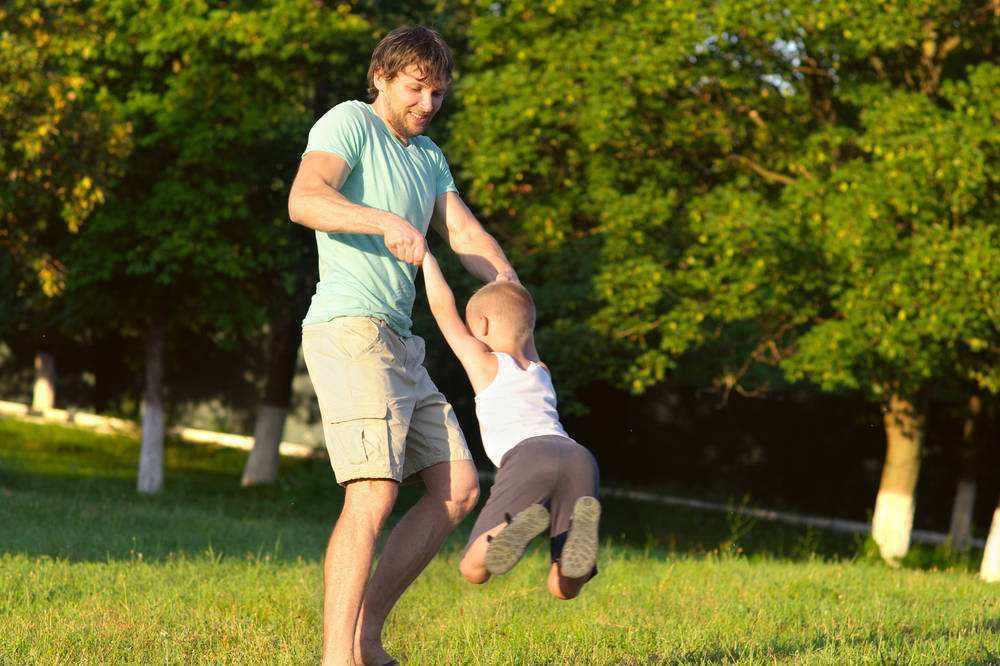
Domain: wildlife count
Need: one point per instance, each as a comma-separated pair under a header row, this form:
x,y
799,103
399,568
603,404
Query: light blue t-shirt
x,y
358,276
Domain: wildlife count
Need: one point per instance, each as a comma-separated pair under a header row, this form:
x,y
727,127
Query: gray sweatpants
x,y
550,470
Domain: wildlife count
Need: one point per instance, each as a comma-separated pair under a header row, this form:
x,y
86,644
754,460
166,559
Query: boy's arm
x,y
479,363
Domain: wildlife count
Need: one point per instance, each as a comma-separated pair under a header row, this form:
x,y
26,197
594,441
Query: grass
x,y
206,572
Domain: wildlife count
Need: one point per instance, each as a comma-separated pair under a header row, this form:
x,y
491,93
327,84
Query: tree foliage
x,y
63,141
216,91
810,185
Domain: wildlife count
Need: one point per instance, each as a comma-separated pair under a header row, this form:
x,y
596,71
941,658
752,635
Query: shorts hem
x,y
434,461
344,478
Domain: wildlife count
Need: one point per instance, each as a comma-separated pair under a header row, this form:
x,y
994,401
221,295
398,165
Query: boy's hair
x,y
507,305
411,45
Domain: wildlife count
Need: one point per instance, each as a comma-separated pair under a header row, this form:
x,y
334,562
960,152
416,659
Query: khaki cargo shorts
x,y
383,418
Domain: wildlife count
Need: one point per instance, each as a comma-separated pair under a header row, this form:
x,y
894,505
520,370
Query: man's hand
x,y
406,243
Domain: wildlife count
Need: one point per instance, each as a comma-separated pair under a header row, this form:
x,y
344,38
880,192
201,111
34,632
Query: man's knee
x,y
456,484
369,500
465,499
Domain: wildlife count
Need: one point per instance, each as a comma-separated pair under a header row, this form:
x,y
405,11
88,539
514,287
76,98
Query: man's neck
x,y
383,112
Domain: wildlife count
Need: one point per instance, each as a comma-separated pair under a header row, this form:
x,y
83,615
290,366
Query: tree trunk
x,y
285,337
283,346
153,421
44,396
262,463
893,519
960,532
990,569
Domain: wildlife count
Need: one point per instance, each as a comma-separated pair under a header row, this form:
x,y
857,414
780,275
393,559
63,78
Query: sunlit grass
x,y
206,572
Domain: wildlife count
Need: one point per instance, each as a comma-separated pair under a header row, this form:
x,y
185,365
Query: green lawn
x,y
91,572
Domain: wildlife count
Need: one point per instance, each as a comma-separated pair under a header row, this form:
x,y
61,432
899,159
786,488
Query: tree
x,y
220,98
969,451
64,139
806,186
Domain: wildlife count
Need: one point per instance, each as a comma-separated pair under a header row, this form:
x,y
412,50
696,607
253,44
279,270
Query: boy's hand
x,y
507,276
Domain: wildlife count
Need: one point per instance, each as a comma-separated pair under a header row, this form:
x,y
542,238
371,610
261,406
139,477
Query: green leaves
x,y
224,96
63,135
811,187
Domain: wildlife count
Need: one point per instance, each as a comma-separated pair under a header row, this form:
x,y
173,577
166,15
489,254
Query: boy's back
x,y
519,403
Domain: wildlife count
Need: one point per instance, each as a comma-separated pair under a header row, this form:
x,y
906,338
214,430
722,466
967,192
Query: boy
x,y
544,478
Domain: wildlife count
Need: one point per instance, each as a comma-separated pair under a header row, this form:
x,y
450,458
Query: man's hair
x,y
411,45
507,305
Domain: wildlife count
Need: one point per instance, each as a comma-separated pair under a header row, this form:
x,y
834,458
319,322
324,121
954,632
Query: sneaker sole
x,y
579,555
508,546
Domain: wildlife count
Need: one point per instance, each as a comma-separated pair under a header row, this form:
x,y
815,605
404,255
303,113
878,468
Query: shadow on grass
x,y
97,518
70,494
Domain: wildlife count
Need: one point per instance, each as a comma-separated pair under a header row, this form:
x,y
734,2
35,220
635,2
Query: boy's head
x,y
501,312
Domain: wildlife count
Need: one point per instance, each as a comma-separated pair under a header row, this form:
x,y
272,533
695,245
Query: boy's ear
x,y
480,325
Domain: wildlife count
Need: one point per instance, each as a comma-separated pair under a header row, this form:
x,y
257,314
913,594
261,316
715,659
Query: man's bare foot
x,y
371,653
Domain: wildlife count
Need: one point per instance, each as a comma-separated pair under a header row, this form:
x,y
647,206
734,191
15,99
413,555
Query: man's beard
x,y
399,123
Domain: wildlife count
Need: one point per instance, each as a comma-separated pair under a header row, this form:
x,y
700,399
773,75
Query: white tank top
x,y
516,405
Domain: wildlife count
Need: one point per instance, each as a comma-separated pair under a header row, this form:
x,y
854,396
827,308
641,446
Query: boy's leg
x,y
579,555
498,549
524,480
507,547
473,564
562,587
575,517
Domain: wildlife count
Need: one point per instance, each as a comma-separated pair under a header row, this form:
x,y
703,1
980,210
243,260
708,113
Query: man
x,y
368,184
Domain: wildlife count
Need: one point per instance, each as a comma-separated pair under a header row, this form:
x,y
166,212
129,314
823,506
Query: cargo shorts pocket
x,y
360,433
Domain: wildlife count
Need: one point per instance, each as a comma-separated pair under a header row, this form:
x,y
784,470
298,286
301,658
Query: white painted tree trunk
x,y
892,522
961,515
153,420
282,351
262,463
44,396
990,569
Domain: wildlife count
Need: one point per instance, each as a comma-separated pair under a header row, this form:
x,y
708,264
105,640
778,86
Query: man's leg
x,y
452,491
367,503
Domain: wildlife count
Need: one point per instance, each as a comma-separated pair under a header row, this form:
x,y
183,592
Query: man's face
x,y
409,101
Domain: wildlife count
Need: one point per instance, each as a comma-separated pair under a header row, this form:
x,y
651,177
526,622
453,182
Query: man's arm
x,y
478,251
479,363
315,201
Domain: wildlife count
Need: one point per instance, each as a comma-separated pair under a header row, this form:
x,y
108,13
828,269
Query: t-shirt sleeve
x,y
341,131
445,182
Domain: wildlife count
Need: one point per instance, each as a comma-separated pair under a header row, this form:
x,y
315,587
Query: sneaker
x,y
579,555
507,547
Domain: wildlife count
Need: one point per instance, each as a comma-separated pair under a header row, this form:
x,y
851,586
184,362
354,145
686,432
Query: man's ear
x,y
486,325
378,80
